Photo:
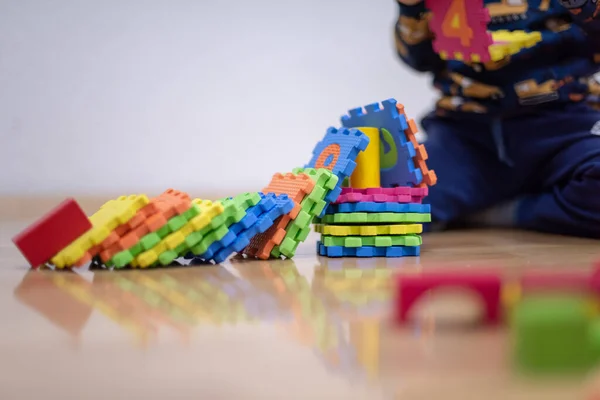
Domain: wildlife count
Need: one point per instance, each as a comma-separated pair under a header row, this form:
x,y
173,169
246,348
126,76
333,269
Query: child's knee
x,y
583,190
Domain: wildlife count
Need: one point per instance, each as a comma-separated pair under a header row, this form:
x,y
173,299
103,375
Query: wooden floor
x,y
307,328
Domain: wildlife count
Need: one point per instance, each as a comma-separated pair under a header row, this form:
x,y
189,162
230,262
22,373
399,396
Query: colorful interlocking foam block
x,y
368,230
110,215
460,29
149,218
368,251
397,152
312,205
383,195
372,241
217,233
337,152
421,156
375,218
168,237
297,187
373,207
283,205
209,211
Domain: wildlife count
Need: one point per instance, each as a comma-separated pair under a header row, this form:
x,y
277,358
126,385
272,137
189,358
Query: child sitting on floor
x,y
515,143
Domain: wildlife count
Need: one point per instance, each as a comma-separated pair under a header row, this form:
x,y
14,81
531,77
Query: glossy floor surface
x,y
307,328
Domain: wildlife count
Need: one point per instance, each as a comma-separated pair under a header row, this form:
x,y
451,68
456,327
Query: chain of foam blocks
x,y
375,147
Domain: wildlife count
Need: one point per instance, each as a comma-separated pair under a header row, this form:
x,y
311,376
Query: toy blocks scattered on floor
x,y
375,151
554,318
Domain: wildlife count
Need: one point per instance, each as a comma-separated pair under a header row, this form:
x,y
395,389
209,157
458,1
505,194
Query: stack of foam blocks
x,y
381,213
138,231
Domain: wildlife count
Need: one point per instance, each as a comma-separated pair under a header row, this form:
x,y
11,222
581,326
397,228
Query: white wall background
x,y
141,95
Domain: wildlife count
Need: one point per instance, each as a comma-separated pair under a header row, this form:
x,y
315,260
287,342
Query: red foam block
x,y
53,232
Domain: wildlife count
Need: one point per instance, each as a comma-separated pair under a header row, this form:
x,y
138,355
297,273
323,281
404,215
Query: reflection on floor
x,y
339,314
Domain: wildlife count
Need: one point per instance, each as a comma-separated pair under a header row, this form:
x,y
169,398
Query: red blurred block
x,y
412,287
53,232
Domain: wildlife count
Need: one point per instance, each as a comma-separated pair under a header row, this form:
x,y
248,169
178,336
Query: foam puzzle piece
x,y
506,43
313,205
337,152
152,239
394,251
383,195
104,221
373,207
326,184
297,187
372,241
283,205
375,218
52,233
421,156
369,230
460,30
150,218
218,228
266,203
208,212
178,243
397,166
169,242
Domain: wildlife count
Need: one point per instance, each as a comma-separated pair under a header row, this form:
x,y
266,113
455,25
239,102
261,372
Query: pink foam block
x,y
411,287
383,195
472,39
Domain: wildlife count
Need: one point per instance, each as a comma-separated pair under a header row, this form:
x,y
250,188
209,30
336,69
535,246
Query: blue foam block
x,y
397,152
347,143
372,207
368,251
252,214
282,205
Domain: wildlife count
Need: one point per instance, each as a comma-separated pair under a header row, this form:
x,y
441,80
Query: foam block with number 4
x,y
460,28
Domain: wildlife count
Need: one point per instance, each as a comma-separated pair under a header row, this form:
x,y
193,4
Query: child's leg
x,y
471,176
561,153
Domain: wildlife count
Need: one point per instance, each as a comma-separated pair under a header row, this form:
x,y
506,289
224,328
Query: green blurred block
x,y
551,334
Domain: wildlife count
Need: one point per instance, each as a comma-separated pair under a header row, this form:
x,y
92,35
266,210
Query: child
x,y
515,143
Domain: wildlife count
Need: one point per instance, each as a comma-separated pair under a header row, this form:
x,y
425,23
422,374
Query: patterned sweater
x,y
557,70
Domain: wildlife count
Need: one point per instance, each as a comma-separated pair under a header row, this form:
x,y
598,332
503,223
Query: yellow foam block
x,y
208,210
112,214
507,43
368,164
368,230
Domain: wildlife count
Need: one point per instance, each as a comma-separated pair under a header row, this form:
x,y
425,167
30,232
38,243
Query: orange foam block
x,y
150,218
429,176
296,187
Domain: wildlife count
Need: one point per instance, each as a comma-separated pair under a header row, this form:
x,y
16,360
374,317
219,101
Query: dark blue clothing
x,y
555,70
548,161
520,129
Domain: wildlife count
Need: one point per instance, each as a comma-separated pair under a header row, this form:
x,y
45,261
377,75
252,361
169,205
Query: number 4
x,y
456,23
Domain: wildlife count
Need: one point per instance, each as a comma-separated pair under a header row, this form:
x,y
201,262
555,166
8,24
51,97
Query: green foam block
x,y
150,240
372,241
312,205
551,333
375,218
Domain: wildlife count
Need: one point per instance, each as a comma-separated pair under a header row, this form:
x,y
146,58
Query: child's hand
x,y
410,2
